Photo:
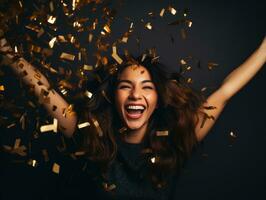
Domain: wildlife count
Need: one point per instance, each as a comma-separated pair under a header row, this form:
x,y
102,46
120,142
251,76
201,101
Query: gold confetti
x,y
90,37
148,26
124,39
108,187
67,56
189,23
161,133
154,159
56,168
212,65
51,6
162,12
88,94
52,42
115,56
172,10
32,162
122,130
203,89
97,126
107,28
189,80
83,125
51,19
2,87
51,127
16,149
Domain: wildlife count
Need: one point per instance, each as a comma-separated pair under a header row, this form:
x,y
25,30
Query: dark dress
x,y
126,173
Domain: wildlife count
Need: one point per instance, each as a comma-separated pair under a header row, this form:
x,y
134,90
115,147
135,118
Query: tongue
x,y
134,111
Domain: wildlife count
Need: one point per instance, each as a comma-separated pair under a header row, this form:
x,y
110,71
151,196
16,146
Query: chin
x,y
134,126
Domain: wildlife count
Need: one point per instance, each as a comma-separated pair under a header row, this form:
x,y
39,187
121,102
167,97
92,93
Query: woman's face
x,y
135,97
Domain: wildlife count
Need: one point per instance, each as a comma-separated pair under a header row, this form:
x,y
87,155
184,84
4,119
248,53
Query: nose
x,y
135,94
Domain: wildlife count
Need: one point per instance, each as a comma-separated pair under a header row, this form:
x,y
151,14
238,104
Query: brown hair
x,y
176,113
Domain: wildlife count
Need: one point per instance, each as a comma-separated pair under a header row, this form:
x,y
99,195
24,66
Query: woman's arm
x,y
229,87
56,106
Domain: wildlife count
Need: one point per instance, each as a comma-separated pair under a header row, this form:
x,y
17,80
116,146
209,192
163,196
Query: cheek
x,y
119,98
152,99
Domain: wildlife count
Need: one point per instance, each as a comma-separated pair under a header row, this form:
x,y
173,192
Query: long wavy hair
x,y
178,105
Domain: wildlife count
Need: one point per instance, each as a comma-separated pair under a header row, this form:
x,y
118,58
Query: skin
x,y
135,87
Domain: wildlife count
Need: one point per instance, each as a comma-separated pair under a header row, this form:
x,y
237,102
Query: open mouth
x,y
134,111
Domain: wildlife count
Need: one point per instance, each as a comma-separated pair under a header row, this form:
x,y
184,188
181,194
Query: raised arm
x,y
237,79
56,106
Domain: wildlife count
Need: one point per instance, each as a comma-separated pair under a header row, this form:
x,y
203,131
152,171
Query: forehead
x,y
135,73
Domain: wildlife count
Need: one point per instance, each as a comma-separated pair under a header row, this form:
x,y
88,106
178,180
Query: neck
x,y
135,136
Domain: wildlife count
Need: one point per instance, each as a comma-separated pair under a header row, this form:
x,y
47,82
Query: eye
x,y
148,87
123,86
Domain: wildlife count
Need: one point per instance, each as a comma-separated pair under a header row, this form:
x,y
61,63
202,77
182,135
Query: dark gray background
x,y
224,32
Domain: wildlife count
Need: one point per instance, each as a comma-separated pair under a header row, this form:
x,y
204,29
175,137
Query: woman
x,y
144,122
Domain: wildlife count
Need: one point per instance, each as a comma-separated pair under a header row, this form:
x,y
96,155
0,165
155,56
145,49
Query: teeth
x,y
135,107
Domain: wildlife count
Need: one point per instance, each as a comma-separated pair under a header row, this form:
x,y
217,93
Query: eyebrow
x,y
130,82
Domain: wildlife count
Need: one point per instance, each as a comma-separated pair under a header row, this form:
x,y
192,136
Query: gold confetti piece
x,y
124,39
232,138
107,28
162,12
189,23
232,134
35,48
148,26
56,168
45,155
183,62
20,4
90,37
97,126
79,153
61,38
67,56
83,125
51,127
17,143
22,121
109,187
154,159
51,6
51,19
189,80
203,89
115,56
52,42
188,68
161,133
88,94
122,130
172,10
2,88
16,149
212,65
32,162
143,57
